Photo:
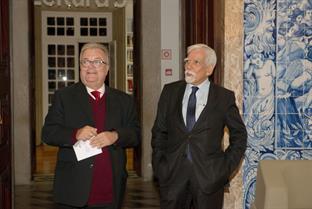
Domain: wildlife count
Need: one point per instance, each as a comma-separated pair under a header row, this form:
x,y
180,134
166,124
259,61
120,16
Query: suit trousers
x,y
184,192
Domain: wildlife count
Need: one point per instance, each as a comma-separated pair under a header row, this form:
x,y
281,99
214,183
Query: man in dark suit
x,y
102,116
188,157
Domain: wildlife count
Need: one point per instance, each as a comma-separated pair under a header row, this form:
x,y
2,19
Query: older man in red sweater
x,y
104,117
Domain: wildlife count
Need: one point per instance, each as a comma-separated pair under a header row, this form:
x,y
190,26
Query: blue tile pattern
x,y
277,83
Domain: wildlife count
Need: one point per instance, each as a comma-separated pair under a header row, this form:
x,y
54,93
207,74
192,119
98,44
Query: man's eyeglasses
x,y
194,62
95,63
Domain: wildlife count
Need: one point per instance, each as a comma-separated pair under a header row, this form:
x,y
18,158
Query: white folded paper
x,y
83,150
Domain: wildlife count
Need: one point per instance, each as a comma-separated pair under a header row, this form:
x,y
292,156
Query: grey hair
x,y
95,46
211,57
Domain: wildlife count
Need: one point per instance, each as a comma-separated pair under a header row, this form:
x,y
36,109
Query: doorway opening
x,y
61,34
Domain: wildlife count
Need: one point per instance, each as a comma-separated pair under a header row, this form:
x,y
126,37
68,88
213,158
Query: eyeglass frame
x,y
196,62
96,63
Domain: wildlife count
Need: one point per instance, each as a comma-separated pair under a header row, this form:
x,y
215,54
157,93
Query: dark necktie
x,y
97,95
191,108
190,117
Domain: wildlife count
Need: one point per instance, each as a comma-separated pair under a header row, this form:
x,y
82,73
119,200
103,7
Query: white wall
x,y
160,30
170,41
150,74
20,94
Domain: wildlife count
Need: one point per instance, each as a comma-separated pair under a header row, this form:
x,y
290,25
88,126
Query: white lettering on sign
x,y
81,3
102,3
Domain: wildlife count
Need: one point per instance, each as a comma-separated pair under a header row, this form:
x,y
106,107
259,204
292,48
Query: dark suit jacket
x,y
212,166
70,111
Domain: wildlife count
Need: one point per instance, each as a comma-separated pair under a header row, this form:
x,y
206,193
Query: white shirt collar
x,y
101,90
204,84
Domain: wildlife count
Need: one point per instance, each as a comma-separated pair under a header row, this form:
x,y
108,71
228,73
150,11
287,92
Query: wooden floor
x,y
46,159
139,195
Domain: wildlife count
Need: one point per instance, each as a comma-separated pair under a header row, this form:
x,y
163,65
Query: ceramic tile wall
x,y
277,83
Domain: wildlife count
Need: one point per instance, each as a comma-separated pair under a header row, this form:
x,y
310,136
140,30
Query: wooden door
x,y
198,22
199,19
137,154
5,113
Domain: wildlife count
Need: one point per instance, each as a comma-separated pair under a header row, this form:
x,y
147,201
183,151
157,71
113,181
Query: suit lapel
x,y
109,112
82,99
178,106
209,108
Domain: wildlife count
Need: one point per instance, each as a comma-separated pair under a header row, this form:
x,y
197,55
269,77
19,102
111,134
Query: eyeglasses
x,y
95,63
194,62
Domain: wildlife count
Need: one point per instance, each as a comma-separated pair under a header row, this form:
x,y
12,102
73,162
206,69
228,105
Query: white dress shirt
x,y
101,90
201,98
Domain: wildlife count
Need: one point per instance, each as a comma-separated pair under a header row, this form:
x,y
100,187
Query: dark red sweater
x,y
102,180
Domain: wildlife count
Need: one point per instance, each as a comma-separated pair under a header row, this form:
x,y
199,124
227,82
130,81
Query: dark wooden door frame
x,y
198,22
5,110
32,87
137,91
199,27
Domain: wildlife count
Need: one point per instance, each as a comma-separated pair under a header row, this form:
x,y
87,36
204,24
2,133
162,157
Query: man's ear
x,y
209,69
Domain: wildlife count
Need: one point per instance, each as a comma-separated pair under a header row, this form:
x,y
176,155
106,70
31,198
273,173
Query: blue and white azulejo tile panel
x,y
294,75
277,83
